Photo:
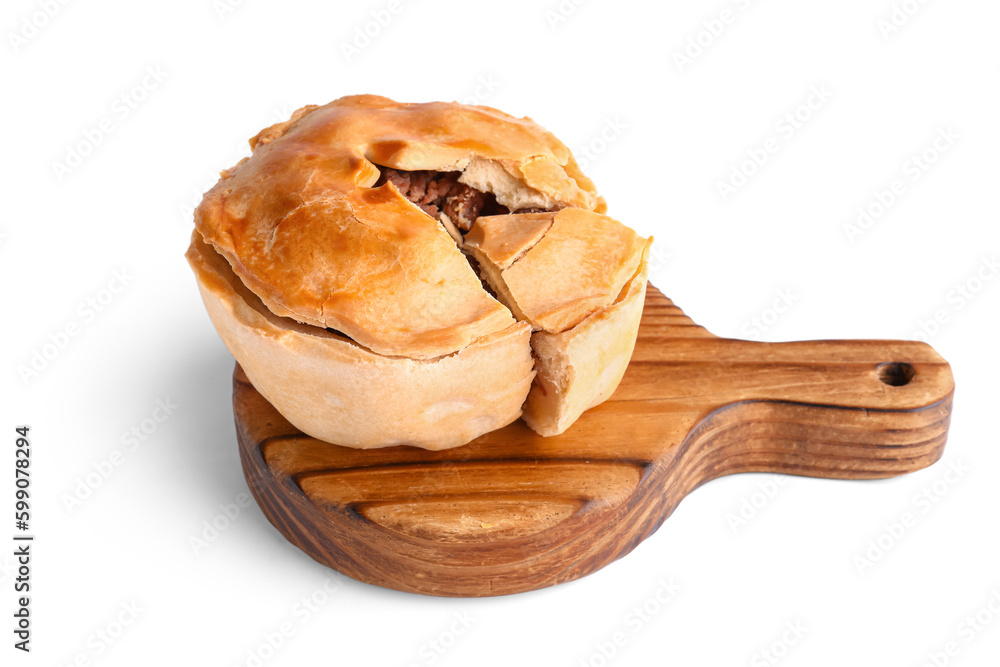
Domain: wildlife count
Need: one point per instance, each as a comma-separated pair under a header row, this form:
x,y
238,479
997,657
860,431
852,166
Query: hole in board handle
x,y
896,373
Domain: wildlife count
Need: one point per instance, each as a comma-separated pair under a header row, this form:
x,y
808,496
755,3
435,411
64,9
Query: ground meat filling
x,y
439,193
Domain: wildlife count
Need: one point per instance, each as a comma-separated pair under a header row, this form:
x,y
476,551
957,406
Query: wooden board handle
x,y
844,409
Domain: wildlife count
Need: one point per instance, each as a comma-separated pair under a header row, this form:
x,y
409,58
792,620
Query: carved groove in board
x,y
481,519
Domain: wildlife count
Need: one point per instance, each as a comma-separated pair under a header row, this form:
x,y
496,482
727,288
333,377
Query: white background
x,y
662,135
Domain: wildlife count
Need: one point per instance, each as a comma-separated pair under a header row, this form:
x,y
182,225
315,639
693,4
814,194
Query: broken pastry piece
x,y
335,265
579,279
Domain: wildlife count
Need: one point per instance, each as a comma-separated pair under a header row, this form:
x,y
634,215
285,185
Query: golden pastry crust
x,y
304,229
579,279
337,391
554,269
333,264
581,367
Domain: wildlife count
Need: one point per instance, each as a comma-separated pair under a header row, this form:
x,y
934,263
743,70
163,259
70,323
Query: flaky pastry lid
x,y
555,269
303,227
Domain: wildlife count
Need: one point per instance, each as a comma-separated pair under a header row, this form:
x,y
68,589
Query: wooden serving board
x,y
513,511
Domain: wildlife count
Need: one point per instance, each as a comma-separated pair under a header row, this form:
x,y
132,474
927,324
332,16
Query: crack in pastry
x,y
578,278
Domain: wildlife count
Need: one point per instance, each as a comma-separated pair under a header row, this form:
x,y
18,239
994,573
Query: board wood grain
x,y
513,511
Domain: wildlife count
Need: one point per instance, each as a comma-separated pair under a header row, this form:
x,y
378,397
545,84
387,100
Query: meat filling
x,y
439,193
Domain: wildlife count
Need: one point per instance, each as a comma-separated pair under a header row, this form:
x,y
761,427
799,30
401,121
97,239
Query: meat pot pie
x,y
418,274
